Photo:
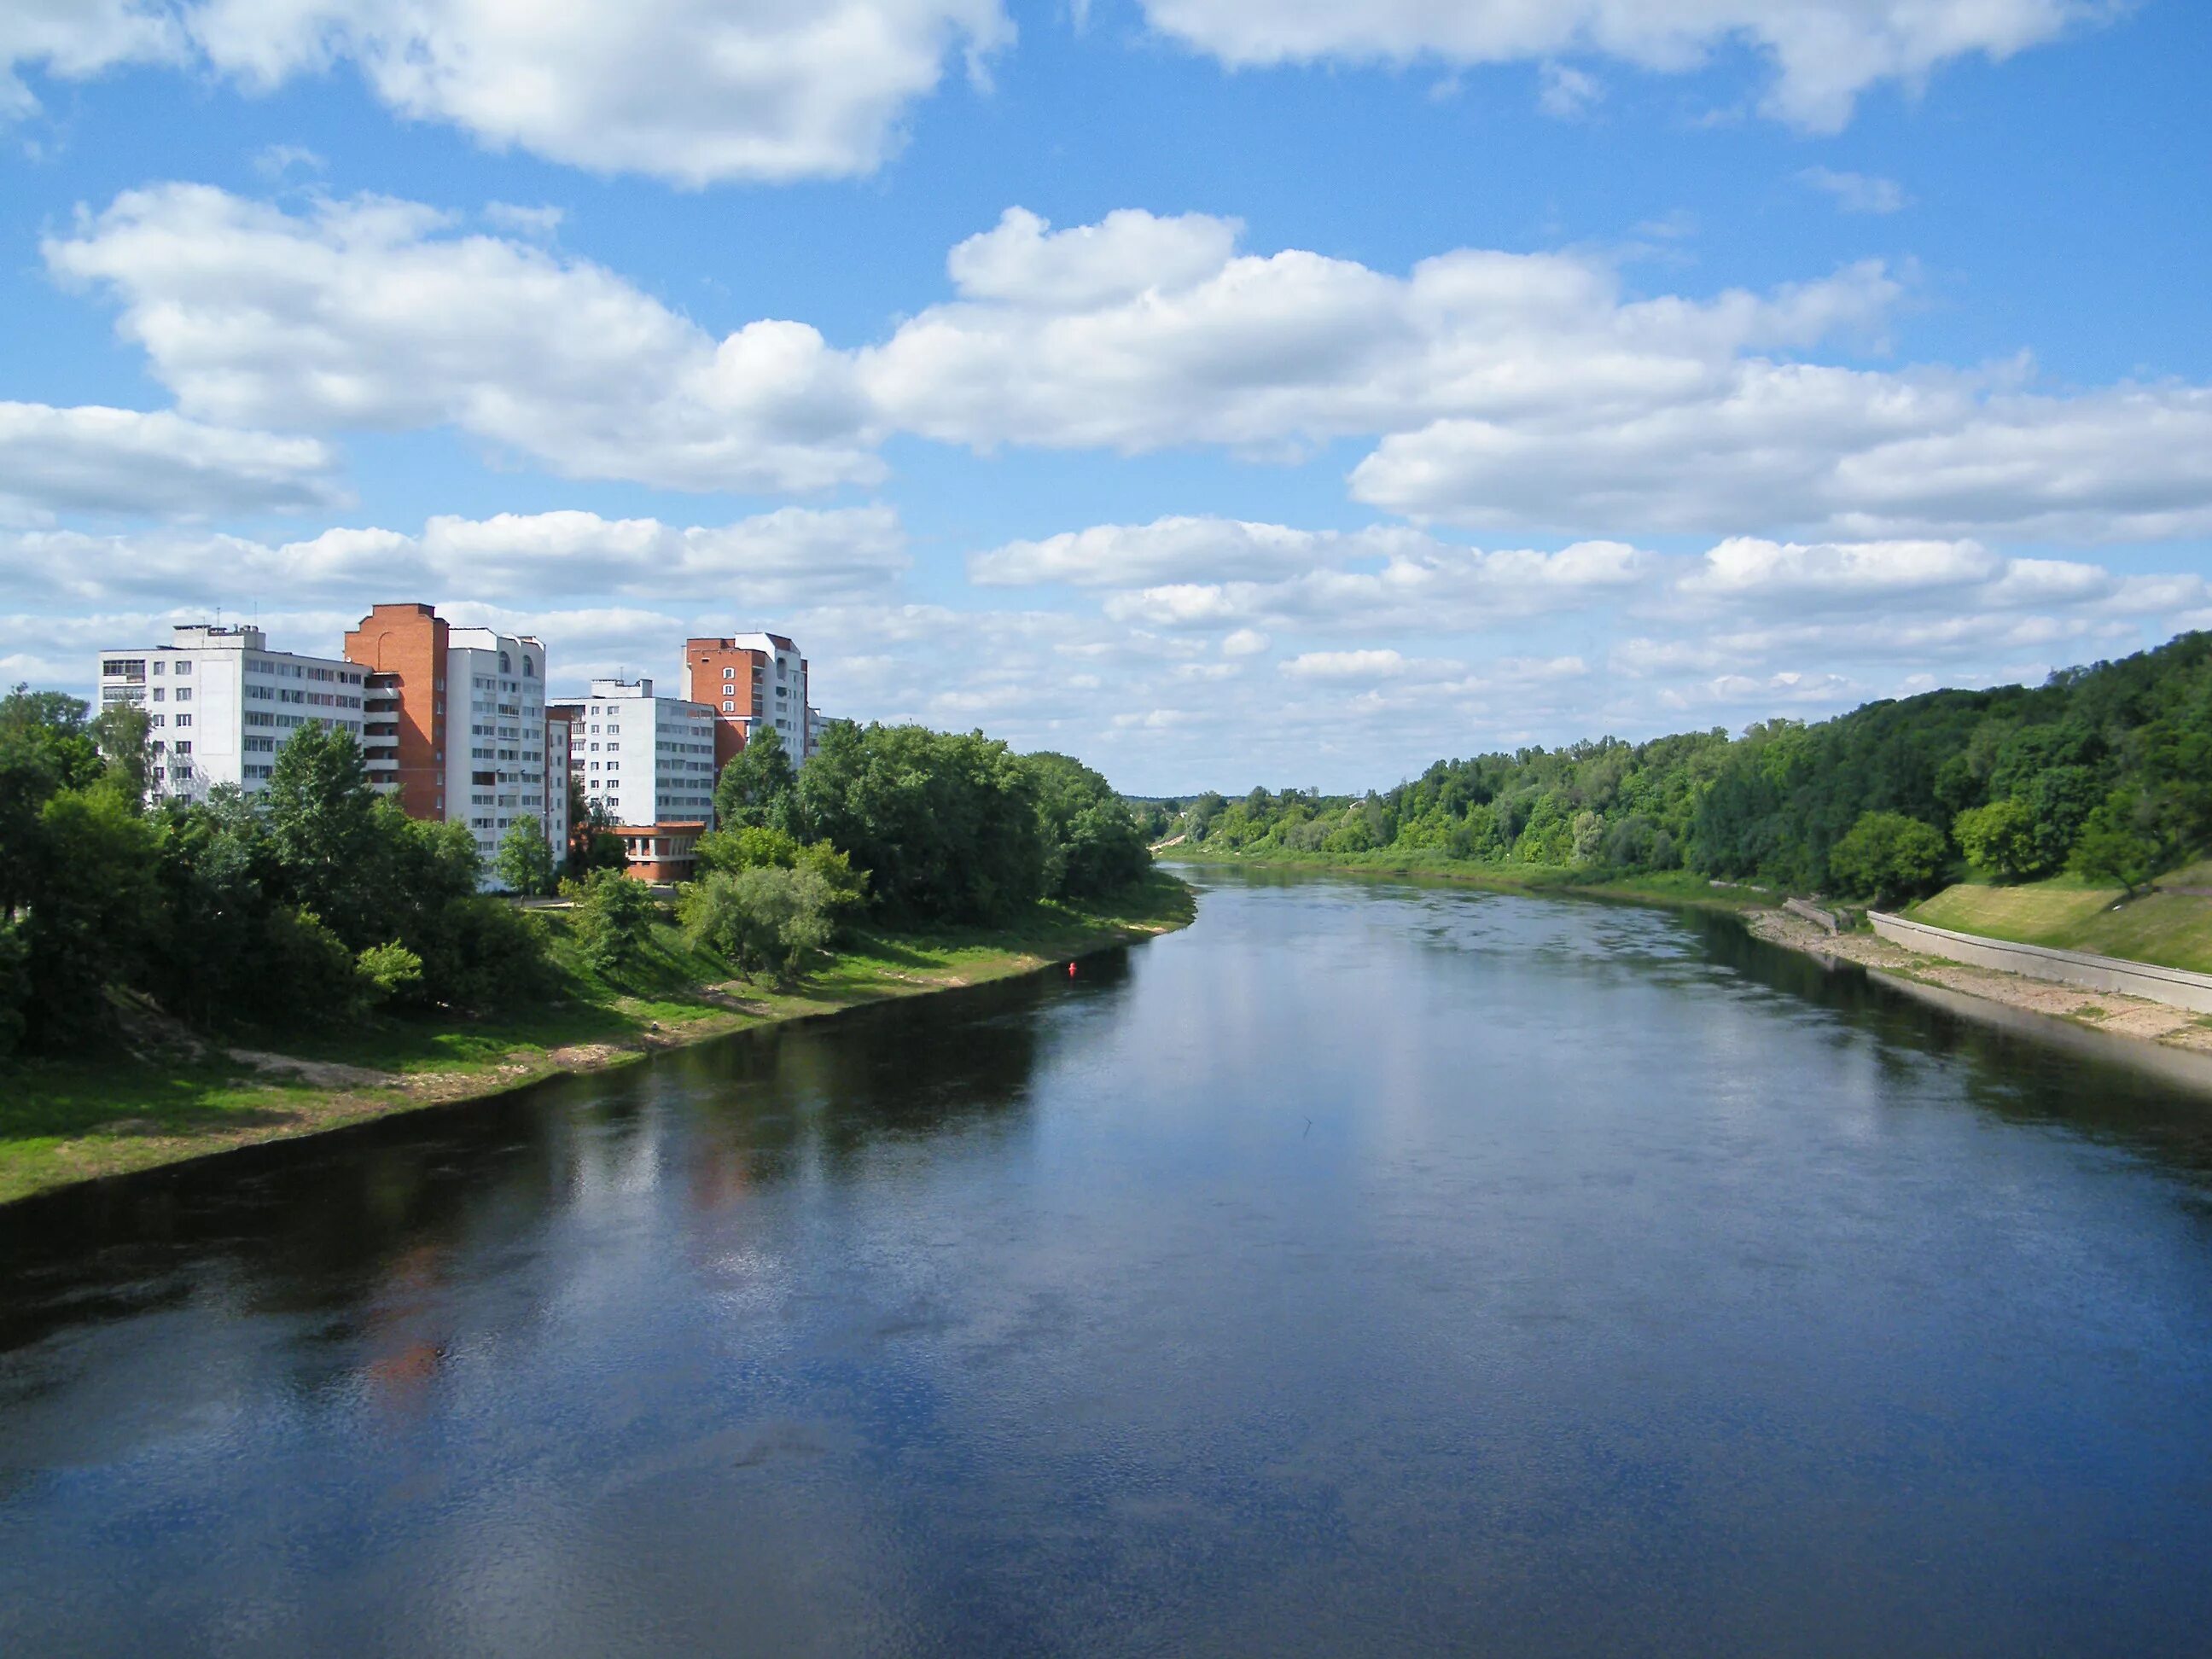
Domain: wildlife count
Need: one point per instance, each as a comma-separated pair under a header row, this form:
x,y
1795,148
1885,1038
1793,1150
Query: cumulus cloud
x,y
1504,389
1897,578
1826,53
1856,192
1863,454
1143,333
90,458
1123,556
1436,587
789,557
691,91
374,313
1567,92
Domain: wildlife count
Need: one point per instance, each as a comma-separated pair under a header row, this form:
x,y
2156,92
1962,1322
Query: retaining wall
x,y
2172,986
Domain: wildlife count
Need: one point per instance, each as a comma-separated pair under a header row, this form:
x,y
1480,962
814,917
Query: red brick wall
x,y
408,642
704,663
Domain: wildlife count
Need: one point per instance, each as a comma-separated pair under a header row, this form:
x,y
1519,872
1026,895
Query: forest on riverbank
x,y
317,902
2104,771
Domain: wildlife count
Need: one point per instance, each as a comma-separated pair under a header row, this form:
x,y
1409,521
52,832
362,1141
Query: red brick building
x,y
750,680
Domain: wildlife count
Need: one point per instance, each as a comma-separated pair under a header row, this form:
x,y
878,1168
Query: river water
x,y
1370,1269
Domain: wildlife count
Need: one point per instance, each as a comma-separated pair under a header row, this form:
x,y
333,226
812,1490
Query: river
x,y
1372,1269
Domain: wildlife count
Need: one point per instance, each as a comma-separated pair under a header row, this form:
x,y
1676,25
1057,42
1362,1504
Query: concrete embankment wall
x,y
2172,986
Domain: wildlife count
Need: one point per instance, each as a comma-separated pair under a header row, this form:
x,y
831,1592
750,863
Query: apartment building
x,y
221,703
650,763
455,723
750,680
557,780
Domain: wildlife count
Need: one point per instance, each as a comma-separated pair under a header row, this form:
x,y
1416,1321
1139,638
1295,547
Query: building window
x,y
184,668
184,719
729,709
159,694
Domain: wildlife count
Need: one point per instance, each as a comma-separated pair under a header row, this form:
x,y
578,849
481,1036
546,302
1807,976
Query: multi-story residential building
x,y
649,763
223,703
750,680
815,719
455,723
556,782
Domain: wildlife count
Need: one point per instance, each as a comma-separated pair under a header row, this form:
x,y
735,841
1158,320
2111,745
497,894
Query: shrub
x,y
762,918
386,970
613,921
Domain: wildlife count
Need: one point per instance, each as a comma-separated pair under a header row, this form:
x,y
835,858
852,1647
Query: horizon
x,y
1173,383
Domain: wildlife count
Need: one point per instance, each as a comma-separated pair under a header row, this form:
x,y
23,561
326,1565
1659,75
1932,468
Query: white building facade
x,y
646,760
222,704
496,767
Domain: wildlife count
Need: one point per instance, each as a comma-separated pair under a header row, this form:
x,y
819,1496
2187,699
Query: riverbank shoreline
x,y
2111,1012
201,1099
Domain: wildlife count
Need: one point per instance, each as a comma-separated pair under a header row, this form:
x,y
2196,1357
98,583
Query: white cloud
x,y
789,557
1826,53
1244,642
1435,588
1856,192
1505,389
90,458
1126,555
1895,579
1744,565
1567,92
536,221
1862,453
1071,339
1384,665
75,39
692,91
375,314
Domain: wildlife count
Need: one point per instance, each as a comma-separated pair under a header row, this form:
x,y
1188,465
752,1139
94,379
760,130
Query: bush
x,y
481,952
1889,856
613,921
762,918
386,970
306,970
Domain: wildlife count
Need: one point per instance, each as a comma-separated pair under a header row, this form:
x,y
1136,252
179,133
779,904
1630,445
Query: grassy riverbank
x,y
2173,928
163,1095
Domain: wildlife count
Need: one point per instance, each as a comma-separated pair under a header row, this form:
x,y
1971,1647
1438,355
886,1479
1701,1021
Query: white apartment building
x,y
496,762
646,760
221,703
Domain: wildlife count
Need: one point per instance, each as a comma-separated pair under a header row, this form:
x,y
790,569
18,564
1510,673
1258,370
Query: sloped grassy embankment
x,y
164,1095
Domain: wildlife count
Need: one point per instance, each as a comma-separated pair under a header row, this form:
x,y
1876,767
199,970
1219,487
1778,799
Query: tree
x,y
1093,843
525,861
121,732
322,832
1887,855
757,781
945,825
613,921
1999,839
2115,845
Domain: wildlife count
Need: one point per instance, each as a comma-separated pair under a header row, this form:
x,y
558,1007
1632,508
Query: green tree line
x,y
320,899
2105,770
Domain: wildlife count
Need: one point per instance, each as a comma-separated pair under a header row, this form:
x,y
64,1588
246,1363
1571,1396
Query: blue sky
x,y
1225,392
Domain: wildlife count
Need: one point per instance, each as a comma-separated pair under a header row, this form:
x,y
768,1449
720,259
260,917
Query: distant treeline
x,y
2106,770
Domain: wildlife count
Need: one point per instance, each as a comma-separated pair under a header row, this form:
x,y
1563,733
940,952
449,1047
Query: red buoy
x,y
1070,970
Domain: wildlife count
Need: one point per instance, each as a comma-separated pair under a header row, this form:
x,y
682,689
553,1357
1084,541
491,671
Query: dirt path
x,y
2101,1010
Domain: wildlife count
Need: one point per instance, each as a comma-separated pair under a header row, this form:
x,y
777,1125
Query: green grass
x,y
159,1097
2171,929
